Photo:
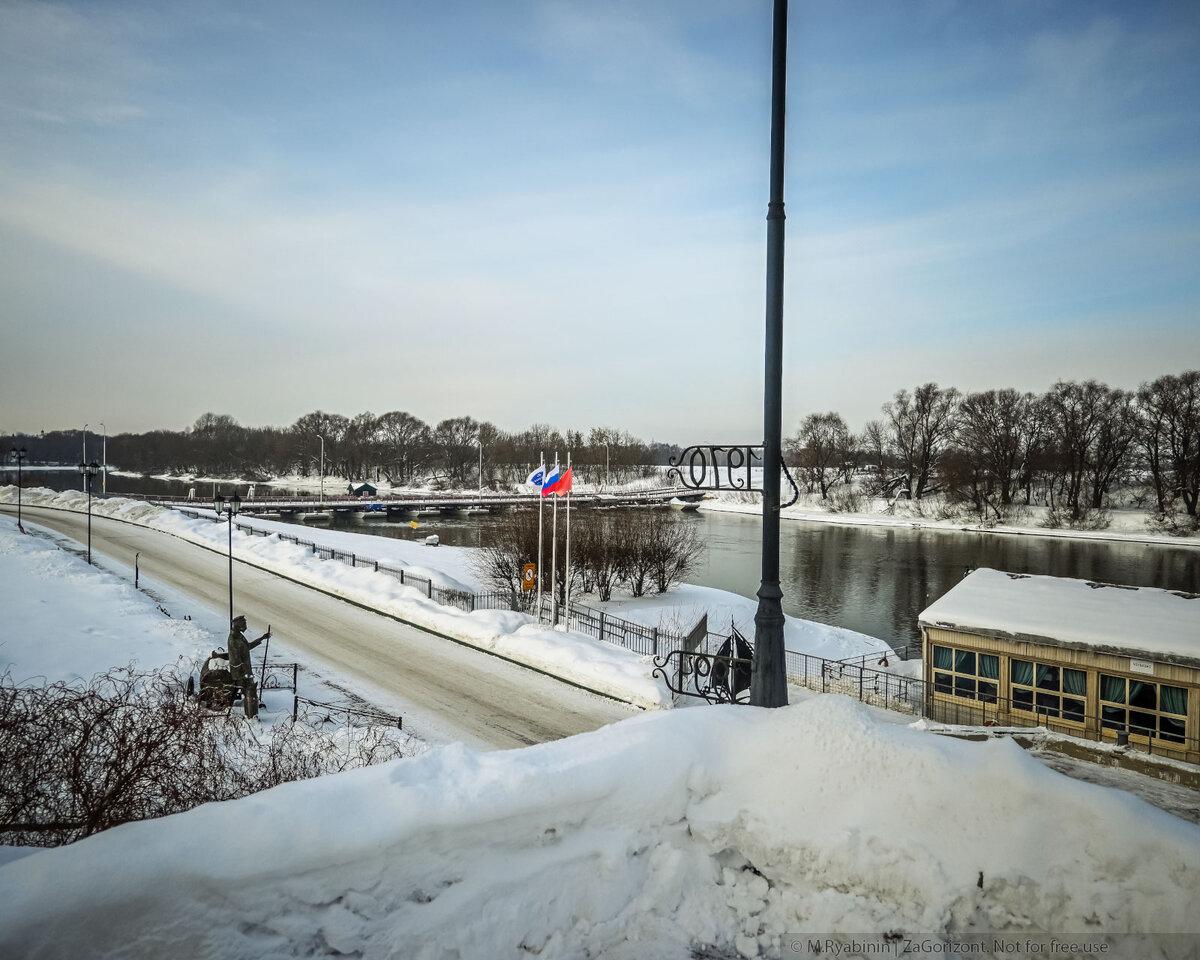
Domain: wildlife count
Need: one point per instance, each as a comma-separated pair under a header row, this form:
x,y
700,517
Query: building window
x,y
1144,708
1048,689
965,673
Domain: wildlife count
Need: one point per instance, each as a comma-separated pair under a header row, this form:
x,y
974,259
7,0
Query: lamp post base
x,y
768,681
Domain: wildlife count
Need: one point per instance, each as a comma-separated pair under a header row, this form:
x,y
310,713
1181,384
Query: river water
x,y
872,579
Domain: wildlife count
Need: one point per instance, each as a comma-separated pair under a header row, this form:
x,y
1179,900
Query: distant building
x,y
363,490
1094,660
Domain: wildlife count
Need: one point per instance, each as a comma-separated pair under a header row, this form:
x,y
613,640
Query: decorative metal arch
x,y
714,466
722,677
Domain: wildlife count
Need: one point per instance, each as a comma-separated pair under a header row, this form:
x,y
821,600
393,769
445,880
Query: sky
x,y
552,211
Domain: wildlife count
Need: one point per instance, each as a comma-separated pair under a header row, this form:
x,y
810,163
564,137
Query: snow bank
x,y
726,829
45,637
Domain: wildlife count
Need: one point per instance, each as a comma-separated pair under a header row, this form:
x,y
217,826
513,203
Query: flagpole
x,y
568,603
541,498
554,556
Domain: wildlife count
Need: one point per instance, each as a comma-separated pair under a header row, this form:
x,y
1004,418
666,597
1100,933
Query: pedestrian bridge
x,y
402,505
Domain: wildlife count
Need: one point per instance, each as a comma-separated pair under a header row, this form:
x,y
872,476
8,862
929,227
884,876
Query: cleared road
x,y
445,690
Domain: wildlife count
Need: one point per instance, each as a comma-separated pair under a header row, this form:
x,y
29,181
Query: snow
x,y
728,828
714,832
1142,620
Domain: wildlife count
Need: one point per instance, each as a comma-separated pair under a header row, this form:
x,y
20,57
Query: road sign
x,y
529,578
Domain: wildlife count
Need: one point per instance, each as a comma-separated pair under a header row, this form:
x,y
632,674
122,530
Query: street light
x,y
322,439
605,467
89,470
104,462
479,440
768,681
231,507
19,456
84,460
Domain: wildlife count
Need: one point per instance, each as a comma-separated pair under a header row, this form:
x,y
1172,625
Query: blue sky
x,y
555,211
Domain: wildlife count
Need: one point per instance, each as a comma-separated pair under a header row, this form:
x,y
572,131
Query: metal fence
x,y
326,712
865,683
999,712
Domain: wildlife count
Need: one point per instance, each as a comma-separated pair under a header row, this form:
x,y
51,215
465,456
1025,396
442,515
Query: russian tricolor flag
x,y
557,483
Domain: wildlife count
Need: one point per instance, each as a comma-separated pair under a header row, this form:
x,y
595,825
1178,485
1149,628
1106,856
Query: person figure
x,y
240,667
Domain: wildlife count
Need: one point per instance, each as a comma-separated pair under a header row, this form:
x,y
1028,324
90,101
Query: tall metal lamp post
x,y
104,460
89,470
19,456
322,439
768,681
231,508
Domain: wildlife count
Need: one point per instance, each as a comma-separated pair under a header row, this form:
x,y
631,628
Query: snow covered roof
x,y
1127,621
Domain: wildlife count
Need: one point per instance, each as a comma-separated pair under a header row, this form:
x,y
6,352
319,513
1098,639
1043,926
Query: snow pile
x,y
728,829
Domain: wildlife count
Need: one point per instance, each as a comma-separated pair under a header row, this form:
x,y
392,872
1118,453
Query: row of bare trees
x,y
1070,448
395,446
638,549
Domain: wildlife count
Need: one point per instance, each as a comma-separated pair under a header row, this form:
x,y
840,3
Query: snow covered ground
x,y
717,832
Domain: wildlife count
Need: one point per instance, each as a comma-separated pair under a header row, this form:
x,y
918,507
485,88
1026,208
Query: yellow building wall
x,y
1092,663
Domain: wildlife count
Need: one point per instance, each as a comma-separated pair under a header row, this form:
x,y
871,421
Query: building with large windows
x,y
1104,662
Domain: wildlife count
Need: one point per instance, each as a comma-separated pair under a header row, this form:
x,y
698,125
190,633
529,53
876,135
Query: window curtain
x,y
1173,700
989,666
1112,689
964,662
1047,677
943,658
1022,672
1075,682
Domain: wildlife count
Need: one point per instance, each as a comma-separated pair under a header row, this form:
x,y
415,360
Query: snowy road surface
x,y
445,691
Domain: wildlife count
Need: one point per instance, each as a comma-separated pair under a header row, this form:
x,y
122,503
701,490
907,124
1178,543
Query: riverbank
x,y
1126,526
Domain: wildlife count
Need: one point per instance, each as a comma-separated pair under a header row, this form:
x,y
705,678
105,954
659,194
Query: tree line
x,y
397,447
1071,449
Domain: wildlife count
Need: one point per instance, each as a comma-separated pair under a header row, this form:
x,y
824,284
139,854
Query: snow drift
x,y
723,830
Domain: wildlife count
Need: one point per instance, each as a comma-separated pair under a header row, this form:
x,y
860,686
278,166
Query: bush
x,y
82,757
638,548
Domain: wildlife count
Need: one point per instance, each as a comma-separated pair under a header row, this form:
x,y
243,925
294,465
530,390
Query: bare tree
x,y
996,435
921,426
404,442
1170,436
1090,430
823,452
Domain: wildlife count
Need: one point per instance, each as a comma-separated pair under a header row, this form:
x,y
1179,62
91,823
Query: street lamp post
x,y
606,468
768,681
89,470
84,460
230,507
19,456
322,439
104,461
479,440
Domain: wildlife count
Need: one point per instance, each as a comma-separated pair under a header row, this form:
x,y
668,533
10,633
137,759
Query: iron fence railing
x,y
351,712
867,684
1000,712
